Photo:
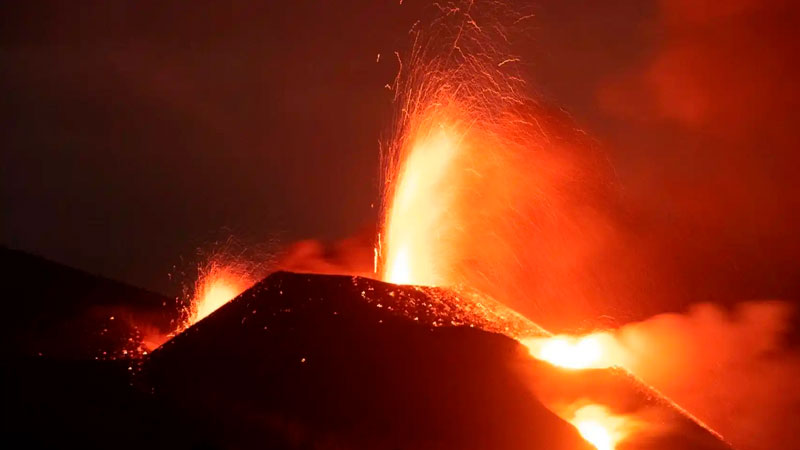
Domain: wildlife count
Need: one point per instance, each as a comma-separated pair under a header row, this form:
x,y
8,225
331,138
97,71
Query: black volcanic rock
x,y
64,313
312,361
323,362
302,361
59,389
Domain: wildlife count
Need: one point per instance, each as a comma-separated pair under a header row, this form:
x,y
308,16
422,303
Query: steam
x,y
733,369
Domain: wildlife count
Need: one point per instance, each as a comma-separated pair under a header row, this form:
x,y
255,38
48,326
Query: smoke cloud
x,y
702,132
735,369
352,255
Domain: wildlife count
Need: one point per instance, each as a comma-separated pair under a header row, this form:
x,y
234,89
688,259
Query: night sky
x,y
135,133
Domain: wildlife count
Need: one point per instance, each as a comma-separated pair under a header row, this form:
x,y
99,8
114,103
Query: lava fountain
x,y
215,289
485,187
482,191
413,254
224,275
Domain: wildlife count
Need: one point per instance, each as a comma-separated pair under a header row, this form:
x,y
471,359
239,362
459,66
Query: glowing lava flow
x,y
594,422
580,354
593,351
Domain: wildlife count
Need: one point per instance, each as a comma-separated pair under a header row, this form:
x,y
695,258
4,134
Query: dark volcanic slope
x,y
55,394
61,312
301,361
312,361
326,362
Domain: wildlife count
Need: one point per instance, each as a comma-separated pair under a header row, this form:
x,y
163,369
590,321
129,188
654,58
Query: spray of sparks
x,y
468,146
226,273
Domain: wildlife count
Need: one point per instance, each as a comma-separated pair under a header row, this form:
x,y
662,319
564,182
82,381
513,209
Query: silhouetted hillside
x,y
303,361
62,312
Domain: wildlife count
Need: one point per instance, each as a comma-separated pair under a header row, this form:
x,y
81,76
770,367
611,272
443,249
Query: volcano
x,y
321,361
317,361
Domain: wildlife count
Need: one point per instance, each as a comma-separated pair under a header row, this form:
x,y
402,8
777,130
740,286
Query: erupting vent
x,y
374,356
479,193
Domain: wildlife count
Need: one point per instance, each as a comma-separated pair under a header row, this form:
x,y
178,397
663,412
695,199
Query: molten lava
x,y
599,427
479,194
578,354
420,204
215,293
219,282
593,351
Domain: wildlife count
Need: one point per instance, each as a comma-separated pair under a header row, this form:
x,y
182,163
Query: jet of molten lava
x,y
217,285
216,292
415,212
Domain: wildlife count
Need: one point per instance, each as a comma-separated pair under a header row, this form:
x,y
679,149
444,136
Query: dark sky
x,y
136,132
